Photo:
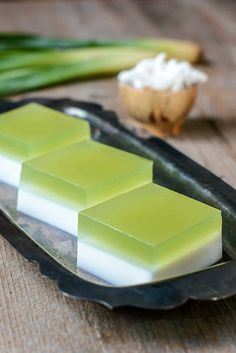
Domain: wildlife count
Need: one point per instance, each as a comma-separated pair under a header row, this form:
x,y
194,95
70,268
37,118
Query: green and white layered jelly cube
x,y
33,130
148,234
56,186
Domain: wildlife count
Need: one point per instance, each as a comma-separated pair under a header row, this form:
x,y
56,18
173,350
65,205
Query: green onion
x,y
28,62
180,49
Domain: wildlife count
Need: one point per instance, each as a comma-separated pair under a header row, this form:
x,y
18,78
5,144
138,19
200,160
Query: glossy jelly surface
x,y
33,129
56,186
150,226
86,173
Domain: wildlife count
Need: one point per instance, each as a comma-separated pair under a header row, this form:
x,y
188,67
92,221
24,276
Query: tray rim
x,y
168,294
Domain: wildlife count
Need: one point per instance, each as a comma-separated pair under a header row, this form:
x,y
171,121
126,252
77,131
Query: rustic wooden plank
x,y
34,315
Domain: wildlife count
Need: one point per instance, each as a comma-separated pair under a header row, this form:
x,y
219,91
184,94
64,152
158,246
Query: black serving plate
x,y
171,169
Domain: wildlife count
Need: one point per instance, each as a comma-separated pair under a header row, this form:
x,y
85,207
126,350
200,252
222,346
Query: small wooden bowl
x,y
165,111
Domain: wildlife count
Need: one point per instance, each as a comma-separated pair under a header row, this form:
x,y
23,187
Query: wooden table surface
x,y
35,316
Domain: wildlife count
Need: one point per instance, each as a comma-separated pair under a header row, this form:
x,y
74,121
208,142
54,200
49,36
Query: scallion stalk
x,y
29,62
180,49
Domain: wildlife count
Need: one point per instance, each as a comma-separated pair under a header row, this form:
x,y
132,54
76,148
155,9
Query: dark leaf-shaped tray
x,y
54,251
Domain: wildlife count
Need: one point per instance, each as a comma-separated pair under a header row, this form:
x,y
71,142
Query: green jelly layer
x,y
84,174
33,129
151,225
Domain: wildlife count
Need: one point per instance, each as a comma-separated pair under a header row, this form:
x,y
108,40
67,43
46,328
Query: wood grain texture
x,y
35,317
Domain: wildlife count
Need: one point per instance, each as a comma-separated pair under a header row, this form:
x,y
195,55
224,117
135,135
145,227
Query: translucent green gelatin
x,y
33,130
151,227
83,174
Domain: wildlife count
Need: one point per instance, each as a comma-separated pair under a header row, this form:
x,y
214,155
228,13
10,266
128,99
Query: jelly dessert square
x,y
148,234
33,130
56,186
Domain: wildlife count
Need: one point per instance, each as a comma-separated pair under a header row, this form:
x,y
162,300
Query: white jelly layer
x,y
10,171
53,213
120,272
